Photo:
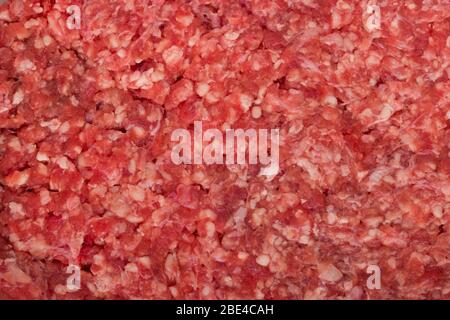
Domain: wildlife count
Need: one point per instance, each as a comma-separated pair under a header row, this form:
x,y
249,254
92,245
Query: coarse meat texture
x,y
359,90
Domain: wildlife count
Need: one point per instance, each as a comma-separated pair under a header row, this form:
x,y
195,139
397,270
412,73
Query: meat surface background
x,y
86,117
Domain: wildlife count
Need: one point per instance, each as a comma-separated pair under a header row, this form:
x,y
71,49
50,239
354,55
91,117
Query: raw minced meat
x,y
358,89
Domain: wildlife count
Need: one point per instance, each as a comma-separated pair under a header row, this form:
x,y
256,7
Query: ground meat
x,y
358,89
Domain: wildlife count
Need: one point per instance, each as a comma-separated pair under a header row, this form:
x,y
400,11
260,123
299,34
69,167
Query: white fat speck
x,y
173,55
185,20
131,267
26,65
16,209
4,15
202,89
437,211
309,167
63,163
121,53
242,255
44,197
345,170
256,112
331,218
329,272
47,40
38,9
206,291
330,100
64,127
31,23
386,113
157,76
42,157
263,260
18,97
15,144
207,214
210,229
53,124
240,215
245,101
278,64
231,35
